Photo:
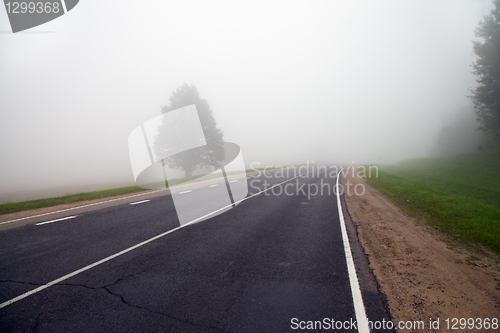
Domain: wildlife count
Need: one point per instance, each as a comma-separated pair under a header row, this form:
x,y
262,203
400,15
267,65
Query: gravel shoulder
x,y
422,273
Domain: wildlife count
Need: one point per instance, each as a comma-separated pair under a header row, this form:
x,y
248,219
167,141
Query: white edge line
x,y
61,219
138,202
357,299
67,276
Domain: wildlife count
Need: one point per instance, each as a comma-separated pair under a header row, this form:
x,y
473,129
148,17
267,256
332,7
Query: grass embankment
x,y
13,207
459,194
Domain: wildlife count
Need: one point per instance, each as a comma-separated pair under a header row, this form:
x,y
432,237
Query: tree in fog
x,y
207,156
486,96
459,136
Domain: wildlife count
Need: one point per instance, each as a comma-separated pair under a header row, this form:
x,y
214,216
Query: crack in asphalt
x,y
36,323
22,282
158,312
123,300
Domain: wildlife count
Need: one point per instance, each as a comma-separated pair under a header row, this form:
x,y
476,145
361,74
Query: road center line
x,y
92,204
214,185
357,299
138,202
83,269
61,219
101,202
183,192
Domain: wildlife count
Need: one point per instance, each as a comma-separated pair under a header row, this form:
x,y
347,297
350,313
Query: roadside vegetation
x,y
459,194
13,207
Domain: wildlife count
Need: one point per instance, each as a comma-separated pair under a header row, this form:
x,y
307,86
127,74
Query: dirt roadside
x,y
422,275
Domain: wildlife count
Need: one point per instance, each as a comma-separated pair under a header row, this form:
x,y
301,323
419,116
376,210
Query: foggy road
x,y
275,260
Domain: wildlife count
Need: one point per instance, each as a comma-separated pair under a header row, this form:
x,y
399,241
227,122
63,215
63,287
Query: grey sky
x,y
289,81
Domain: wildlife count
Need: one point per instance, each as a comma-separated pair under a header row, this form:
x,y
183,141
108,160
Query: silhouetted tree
x,y
211,154
486,96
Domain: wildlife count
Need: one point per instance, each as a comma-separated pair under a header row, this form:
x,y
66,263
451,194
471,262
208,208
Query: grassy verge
x,y
459,194
13,207
72,198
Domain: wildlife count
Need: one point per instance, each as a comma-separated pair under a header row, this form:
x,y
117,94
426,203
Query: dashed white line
x,y
183,192
138,202
92,204
102,202
83,269
232,181
61,219
214,185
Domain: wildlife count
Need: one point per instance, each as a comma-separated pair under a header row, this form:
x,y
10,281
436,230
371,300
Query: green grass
x,y
459,194
13,207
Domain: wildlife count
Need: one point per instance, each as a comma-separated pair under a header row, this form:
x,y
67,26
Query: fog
x,y
288,81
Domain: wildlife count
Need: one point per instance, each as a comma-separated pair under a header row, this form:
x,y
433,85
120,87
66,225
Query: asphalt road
x,y
254,268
